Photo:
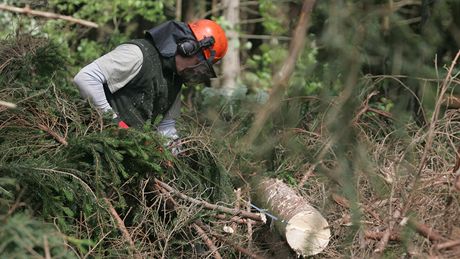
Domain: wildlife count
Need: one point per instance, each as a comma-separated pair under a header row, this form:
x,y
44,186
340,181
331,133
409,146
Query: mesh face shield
x,y
199,73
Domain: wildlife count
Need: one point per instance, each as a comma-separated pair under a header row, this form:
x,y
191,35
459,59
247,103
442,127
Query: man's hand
x,y
167,128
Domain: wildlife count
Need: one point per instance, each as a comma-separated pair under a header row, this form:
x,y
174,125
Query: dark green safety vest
x,y
151,92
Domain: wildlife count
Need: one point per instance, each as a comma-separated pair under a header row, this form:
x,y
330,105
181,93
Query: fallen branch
x,y
426,231
420,228
46,247
387,234
122,227
434,117
447,245
53,134
380,112
8,105
207,205
456,170
346,204
250,222
235,219
379,235
237,207
284,73
364,108
207,241
198,226
26,10
237,247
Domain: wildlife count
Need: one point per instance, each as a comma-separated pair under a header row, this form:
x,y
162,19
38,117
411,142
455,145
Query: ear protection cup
x,y
190,47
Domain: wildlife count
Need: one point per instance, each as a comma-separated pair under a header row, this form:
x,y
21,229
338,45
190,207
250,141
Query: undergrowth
x,y
68,173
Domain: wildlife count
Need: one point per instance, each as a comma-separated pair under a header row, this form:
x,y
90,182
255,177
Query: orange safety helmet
x,y
207,28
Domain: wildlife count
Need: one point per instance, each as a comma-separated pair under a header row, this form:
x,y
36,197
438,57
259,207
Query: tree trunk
x,y
193,10
282,76
231,62
303,227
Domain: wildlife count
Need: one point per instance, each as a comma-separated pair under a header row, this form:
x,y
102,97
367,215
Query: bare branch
x,y
207,241
26,10
207,205
281,78
122,227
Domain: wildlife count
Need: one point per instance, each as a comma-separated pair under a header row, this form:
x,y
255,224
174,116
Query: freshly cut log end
x,y
307,233
304,228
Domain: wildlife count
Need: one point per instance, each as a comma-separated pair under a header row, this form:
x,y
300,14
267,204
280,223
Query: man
x,y
142,78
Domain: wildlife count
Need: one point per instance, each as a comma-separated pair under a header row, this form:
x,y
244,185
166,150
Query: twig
x,y
346,204
237,207
379,235
207,241
83,183
447,81
237,247
27,10
308,174
281,78
364,107
380,112
250,222
122,228
235,219
207,205
8,105
426,231
456,170
169,199
387,234
46,247
447,245
53,134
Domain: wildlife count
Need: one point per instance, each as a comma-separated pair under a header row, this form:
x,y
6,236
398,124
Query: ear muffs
x,y
188,48
191,47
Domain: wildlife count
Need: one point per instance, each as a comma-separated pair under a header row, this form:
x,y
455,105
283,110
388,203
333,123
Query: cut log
x,y
304,228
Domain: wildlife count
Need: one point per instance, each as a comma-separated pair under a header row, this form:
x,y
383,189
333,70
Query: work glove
x,y
121,124
167,128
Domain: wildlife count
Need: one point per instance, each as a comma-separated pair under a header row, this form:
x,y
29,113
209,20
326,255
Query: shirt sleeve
x,y
120,65
90,81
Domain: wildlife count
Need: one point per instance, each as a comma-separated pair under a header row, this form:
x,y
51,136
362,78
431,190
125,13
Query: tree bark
x,y
303,227
231,62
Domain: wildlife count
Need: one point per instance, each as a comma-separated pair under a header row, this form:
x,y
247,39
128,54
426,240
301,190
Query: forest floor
x,y
74,185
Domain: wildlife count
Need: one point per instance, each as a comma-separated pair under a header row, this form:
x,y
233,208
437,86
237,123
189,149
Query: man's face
x,y
196,74
195,69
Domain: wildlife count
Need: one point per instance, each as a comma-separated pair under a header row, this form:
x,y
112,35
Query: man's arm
x,y
90,81
115,69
